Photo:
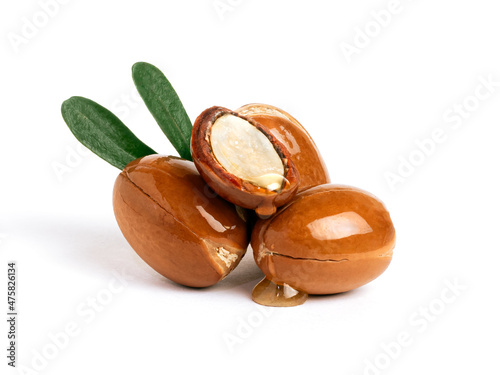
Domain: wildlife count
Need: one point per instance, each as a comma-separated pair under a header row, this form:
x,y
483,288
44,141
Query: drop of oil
x,y
266,209
268,293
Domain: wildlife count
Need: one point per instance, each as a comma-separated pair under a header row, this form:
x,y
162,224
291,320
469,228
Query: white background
x,y
364,114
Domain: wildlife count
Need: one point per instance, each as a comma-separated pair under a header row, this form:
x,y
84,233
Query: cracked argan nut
x,y
242,161
303,151
329,239
175,223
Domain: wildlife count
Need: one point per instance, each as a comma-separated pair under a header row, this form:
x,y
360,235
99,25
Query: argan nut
x,y
303,151
176,223
242,161
329,239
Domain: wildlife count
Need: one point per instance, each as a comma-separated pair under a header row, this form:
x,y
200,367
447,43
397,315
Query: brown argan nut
x,y
304,153
242,161
329,239
176,223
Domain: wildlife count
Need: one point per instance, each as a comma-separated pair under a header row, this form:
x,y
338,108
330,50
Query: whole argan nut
x,y
329,239
242,161
176,223
304,153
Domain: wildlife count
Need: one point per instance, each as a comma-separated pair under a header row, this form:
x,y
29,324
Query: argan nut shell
x,y
329,239
303,151
175,223
231,187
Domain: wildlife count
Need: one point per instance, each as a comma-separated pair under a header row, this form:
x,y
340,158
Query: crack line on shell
x,y
314,259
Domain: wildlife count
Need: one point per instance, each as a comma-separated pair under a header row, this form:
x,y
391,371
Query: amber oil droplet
x,y
266,209
268,293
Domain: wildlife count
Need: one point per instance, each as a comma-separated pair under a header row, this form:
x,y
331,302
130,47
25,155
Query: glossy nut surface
x,y
304,153
175,223
230,186
329,239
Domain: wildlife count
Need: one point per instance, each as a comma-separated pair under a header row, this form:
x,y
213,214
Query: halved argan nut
x,y
242,161
304,153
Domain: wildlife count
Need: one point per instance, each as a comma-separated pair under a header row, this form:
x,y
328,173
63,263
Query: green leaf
x,y
102,132
165,106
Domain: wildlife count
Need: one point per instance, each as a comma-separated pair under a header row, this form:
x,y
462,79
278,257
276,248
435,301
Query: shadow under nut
x,y
162,208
